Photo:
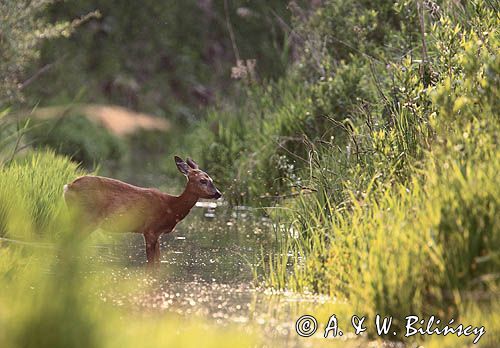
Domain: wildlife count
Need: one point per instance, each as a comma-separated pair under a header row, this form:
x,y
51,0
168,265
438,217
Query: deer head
x,y
199,182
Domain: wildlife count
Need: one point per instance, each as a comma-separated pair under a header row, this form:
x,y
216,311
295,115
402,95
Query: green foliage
x,y
237,148
22,29
274,133
11,134
166,58
78,138
400,146
31,190
340,30
390,119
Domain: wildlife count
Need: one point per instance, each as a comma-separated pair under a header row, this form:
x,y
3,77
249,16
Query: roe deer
x,y
116,206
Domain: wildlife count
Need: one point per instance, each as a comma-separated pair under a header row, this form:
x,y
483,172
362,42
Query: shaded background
x,y
166,59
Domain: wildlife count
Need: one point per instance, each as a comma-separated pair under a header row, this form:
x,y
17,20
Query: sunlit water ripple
x,y
206,272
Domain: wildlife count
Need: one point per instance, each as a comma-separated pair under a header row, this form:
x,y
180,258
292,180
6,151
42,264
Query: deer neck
x,y
183,203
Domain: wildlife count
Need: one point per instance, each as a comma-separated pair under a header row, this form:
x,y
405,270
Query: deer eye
x,y
203,181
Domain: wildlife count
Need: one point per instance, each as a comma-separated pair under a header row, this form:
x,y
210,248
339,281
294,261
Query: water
x,y
207,272
203,248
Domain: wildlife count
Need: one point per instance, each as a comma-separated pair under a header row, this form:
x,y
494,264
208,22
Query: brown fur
x,y
116,206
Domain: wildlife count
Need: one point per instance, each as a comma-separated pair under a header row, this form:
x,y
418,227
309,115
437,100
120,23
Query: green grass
x,y
400,148
31,189
251,138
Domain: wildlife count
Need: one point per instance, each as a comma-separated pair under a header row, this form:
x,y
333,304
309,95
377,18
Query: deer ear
x,y
192,163
181,165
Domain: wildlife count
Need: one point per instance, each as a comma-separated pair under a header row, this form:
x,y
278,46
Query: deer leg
x,y
83,224
150,249
157,252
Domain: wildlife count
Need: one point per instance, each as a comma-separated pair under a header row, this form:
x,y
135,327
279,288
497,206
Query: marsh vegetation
x,y
356,144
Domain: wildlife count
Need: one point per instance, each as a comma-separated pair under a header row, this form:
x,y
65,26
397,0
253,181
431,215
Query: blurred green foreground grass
x,y
48,297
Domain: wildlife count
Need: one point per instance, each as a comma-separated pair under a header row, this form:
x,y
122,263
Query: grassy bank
x,y
389,128
31,187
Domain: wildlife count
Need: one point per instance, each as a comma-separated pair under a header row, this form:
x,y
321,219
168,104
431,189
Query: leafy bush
x,y
23,30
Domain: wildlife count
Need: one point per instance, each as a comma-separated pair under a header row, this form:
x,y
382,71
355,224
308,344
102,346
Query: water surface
x,y
208,271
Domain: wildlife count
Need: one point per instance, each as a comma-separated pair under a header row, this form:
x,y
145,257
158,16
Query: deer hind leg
x,y
82,221
83,225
